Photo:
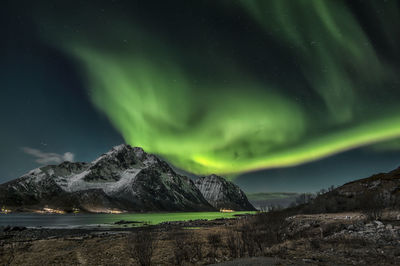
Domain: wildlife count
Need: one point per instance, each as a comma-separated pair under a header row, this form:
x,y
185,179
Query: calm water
x,y
102,220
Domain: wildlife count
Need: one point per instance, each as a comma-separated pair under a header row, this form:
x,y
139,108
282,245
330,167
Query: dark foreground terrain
x,y
355,224
268,238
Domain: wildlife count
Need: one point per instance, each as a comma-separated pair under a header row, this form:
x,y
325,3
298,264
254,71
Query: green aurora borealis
x,y
206,112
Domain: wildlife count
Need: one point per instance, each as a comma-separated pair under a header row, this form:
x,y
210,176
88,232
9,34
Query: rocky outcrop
x,y
222,193
124,178
376,232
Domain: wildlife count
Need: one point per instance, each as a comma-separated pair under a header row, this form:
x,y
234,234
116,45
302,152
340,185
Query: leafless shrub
x,y
315,243
251,235
372,205
141,246
304,198
196,246
7,253
234,244
268,228
248,237
187,247
215,241
180,252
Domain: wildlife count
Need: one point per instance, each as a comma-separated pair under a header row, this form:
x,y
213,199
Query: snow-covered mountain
x,y
124,178
221,193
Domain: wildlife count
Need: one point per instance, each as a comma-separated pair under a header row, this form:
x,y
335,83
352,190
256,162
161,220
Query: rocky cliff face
x,y
124,178
221,193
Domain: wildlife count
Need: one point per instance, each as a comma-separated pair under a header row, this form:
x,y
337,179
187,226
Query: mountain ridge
x,y
125,178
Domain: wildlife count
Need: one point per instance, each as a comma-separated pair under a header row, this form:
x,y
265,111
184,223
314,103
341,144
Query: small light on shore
x,y
50,210
226,210
4,210
109,211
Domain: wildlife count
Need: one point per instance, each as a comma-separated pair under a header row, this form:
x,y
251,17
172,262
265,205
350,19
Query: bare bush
x,y
215,242
253,234
248,236
304,198
269,227
234,244
196,246
187,247
315,243
141,246
180,251
372,205
7,253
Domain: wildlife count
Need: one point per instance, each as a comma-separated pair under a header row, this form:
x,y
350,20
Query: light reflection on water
x,y
103,220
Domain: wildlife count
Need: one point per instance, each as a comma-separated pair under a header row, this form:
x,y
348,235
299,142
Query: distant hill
x,y
271,195
264,199
375,192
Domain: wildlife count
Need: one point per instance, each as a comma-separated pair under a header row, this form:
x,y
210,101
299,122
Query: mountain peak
x,y
125,153
125,147
120,148
215,177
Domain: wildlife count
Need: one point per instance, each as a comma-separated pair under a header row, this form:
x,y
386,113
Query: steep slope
x,y
376,192
124,178
221,193
384,183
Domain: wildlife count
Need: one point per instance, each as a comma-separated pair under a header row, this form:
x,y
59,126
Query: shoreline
x,y
315,239
125,225
113,221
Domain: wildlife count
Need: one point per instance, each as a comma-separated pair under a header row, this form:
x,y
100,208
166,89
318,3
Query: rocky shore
x,y
323,239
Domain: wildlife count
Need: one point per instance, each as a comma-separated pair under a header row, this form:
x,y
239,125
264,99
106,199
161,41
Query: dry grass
x,y
258,236
141,247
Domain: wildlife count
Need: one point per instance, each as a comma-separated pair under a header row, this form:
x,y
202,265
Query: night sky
x,y
278,95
